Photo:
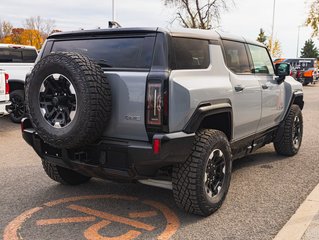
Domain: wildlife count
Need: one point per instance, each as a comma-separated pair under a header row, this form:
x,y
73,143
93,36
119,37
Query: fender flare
x,y
208,109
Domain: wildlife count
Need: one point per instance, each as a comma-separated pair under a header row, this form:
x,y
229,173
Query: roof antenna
x,y
113,24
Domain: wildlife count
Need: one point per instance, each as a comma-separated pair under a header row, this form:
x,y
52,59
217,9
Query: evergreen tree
x,y
262,37
309,50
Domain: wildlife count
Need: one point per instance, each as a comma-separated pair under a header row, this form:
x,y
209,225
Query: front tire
x,y
63,175
288,140
201,183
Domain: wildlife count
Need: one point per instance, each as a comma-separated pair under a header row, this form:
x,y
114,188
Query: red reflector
x,y
156,146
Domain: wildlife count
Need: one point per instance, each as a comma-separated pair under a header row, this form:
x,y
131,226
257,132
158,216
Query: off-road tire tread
x,y
186,176
98,110
284,143
63,175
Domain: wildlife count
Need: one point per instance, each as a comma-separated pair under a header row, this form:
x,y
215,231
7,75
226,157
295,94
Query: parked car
x,y
306,67
166,108
17,61
4,91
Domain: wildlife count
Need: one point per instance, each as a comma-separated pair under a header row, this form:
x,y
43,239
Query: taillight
x,y
154,104
157,103
7,87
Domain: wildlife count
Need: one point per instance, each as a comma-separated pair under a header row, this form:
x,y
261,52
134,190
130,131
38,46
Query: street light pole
x,y
298,41
273,26
113,11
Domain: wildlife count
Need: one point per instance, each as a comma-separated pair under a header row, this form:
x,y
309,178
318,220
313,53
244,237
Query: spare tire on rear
x,y
68,99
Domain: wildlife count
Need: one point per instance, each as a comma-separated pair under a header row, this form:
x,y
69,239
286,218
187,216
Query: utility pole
x,y
273,26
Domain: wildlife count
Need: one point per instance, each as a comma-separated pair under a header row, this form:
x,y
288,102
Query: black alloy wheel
x,y
17,106
215,173
58,100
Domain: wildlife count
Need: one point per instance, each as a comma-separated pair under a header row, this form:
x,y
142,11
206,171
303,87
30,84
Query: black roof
x,y
104,31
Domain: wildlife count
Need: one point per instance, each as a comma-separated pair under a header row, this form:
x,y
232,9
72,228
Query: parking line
x,y
10,232
93,197
145,214
111,217
43,222
172,220
92,233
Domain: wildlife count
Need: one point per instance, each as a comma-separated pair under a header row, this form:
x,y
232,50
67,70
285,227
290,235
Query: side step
x,y
157,183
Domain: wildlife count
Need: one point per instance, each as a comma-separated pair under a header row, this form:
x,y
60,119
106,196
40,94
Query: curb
x,y
297,225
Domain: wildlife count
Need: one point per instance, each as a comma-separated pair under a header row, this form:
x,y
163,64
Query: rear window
x,y
191,53
112,52
19,55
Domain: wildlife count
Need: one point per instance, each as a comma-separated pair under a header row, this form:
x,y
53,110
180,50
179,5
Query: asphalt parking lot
x,y
265,191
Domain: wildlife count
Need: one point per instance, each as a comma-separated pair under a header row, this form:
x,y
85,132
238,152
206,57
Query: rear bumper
x,y
3,106
115,158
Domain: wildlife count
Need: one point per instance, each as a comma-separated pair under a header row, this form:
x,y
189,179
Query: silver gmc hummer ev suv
x,y
166,108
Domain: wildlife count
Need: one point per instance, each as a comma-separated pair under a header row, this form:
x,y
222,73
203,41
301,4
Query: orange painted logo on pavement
x,y
100,220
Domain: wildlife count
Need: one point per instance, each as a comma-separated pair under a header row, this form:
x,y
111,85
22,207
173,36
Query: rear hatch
x,y
126,58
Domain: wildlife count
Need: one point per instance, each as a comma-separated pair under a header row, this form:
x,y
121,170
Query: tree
x,y
35,32
309,50
43,26
275,50
262,37
5,29
203,14
313,17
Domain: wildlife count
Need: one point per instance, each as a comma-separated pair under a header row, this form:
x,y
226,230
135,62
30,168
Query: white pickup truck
x,y
4,91
17,61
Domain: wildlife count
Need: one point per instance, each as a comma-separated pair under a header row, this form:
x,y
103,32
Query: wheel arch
x,y
212,115
16,84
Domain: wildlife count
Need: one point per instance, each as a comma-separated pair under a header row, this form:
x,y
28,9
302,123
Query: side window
x,y
191,53
236,57
261,60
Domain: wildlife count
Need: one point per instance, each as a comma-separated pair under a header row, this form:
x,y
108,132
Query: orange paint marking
x,y
145,214
43,222
92,233
11,230
112,218
93,197
172,220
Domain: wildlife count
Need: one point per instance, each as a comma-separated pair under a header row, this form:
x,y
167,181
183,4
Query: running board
x,y
157,183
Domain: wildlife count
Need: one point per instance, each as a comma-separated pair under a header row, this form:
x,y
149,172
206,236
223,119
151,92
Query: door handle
x,y
239,88
264,86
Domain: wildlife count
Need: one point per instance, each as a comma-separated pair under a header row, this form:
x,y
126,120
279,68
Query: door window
x,y
236,57
261,60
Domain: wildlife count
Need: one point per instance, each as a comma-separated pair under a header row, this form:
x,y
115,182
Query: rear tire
x,y
17,106
289,137
201,183
63,175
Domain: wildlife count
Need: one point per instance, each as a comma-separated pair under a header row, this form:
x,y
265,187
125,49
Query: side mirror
x,y
282,70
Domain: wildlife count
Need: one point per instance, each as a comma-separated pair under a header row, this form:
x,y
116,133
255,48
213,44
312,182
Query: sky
x,y
245,17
